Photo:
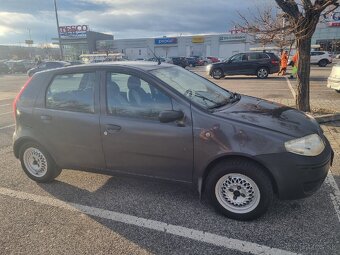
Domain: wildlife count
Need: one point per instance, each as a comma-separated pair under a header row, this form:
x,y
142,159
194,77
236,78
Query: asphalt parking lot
x,y
86,213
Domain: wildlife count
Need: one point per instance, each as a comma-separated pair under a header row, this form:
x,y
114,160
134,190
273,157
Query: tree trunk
x,y
303,74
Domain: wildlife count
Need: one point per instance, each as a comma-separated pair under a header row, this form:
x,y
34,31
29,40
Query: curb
x,y
327,118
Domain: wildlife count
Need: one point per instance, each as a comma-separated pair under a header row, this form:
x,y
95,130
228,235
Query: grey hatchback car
x,y
165,122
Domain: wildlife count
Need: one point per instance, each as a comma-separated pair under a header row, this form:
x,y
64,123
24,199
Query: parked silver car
x,y
333,81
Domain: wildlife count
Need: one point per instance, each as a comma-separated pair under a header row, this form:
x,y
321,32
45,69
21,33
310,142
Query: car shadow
x,y
251,78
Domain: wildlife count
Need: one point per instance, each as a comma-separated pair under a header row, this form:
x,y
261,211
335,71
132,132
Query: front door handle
x,y
110,128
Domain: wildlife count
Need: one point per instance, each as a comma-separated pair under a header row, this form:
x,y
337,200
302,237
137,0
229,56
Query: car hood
x,y
271,116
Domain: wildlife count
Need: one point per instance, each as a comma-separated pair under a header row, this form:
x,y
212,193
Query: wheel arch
x,y
212,164
19,143
324,59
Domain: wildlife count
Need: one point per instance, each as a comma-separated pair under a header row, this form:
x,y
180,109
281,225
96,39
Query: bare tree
x,y
267,26
303,17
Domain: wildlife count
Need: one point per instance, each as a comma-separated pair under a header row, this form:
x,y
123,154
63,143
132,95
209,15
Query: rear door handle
x,y
110,128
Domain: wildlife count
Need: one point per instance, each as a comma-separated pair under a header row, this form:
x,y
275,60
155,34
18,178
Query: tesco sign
x,y
73,31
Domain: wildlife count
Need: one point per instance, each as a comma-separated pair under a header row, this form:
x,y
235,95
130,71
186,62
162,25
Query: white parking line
x,y
7,126
335,194
290,87
5,113
206,237
2,105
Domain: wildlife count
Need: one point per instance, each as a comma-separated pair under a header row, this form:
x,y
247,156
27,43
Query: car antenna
x,y
154,54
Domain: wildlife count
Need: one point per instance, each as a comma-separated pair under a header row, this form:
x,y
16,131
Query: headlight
x,y
311,145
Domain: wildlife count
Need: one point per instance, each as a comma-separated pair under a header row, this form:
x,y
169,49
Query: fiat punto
x,y
162,121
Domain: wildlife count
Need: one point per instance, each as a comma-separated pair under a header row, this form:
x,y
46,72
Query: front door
x,y
238,64
133,138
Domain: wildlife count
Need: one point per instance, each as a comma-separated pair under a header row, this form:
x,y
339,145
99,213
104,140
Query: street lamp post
x,y
56,17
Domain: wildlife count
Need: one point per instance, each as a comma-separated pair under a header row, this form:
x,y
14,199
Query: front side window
x,y
238,58
131,96
72,92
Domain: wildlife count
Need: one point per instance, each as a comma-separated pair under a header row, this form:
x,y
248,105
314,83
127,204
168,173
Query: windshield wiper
x,y
232,99
205,98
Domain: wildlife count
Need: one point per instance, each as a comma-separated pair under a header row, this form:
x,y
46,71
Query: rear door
x,y
134,140
68,120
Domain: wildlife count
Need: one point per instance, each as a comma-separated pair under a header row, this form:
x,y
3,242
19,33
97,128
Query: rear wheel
x,y
239,189
37,163
323,63
217,73
262,73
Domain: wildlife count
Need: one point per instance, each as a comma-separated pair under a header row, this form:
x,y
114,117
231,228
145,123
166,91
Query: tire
x,y
239,189
337,90
323,63
217,73
262,73
37,163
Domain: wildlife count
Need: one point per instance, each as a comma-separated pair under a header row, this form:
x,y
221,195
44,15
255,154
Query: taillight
x,y
18,96
275,62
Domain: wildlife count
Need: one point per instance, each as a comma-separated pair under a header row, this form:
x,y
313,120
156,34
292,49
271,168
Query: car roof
x,y
140,65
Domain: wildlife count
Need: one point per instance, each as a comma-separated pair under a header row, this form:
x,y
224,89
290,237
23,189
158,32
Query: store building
x,y
220,45
327,33
78,39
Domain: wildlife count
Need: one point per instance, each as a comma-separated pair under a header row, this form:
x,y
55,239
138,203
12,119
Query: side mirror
x,y
170,116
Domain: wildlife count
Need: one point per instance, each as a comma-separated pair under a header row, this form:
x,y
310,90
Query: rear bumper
x,y
274,69
298,176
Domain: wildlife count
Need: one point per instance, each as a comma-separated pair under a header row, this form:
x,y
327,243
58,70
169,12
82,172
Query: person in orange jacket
x,y
295,60
283,63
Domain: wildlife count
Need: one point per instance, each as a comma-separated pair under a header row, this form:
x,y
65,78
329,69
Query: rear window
x,y
72,92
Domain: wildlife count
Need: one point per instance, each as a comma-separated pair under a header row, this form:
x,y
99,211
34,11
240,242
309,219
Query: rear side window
x,y
264,56
72,92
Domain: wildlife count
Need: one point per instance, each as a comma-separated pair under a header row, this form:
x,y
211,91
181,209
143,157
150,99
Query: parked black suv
x,y
255,63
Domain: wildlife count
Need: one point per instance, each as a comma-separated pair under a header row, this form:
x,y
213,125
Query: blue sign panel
x,y
166,40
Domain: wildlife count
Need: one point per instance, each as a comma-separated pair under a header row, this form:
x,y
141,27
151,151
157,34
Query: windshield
x,y
194,87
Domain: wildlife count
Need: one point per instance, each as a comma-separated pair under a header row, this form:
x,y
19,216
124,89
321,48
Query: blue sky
x,y
122,18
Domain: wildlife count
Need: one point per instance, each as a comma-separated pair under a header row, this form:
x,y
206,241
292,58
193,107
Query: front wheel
x,y
239,189
217,73
323,63
262,73
37,163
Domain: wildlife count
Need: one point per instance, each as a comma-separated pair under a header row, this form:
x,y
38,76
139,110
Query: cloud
x,y
124,18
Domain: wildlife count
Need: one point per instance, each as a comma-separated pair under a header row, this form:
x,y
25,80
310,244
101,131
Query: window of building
x,y
72,92
140,52
130,96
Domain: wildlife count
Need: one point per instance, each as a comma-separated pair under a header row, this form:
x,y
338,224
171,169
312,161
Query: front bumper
x,y
298,176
